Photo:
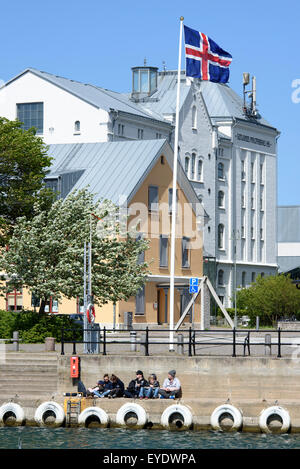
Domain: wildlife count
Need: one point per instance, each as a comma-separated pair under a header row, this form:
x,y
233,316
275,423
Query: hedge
x,y
34,327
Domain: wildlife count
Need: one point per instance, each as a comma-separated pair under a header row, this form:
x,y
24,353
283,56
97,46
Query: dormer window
x,y
144,81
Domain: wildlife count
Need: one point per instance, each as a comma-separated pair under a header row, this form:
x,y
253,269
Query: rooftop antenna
x,y
164,66
250,111
145,62
253,96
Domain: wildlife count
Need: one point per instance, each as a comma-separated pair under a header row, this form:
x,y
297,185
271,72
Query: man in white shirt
x,y
171,387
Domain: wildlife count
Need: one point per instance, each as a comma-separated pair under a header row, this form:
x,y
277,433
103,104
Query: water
x,y
105,438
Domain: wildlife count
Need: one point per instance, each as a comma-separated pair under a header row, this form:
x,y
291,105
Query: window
x,y
243,174
170,199
120,130
261,234
221,277
140,134
194,118
193,166
253,277
243,279
243,201
252,203
261,173
163,251
243,231
252,172
32,115
185,252
252,232
140,301
261,204
221,199
153,198
221,151
187,165
14,300
221,171
158,136
141,255
200,170
77,126
221,236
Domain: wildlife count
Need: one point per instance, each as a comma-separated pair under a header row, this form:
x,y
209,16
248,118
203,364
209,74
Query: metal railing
x,y
191,339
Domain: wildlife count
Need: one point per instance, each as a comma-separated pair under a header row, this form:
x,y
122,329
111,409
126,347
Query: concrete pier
x,y
251,384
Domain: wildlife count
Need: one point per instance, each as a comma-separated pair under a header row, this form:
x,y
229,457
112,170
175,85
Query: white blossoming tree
x,y
46,253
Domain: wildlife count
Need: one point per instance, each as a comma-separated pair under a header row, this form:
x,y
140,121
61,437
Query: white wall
x,y
61,110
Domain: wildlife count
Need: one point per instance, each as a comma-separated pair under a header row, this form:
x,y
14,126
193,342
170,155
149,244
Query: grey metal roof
x,y
287,263
113,169
220,99
110,169
94,95
288,224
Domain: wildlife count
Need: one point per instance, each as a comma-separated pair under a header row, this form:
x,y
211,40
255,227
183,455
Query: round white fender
x,y
131,408
274,410
13,408
49,406
93,412
226,409
172,410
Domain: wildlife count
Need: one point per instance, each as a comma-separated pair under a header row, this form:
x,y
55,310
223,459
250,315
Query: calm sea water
x,y
98,438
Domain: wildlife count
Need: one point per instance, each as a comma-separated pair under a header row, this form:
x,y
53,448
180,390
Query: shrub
x,y
34,328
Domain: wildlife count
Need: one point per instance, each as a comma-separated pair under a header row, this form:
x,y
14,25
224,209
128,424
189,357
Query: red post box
x,y
74,367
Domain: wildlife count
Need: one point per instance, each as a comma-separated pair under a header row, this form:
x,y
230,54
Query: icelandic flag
x,y
204,58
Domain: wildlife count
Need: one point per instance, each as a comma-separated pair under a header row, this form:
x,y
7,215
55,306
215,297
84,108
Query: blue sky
x,y
98,42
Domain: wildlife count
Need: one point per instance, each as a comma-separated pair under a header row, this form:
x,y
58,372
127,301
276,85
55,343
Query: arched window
x,y
243,279
221,236
221,171
77,126
200,170
221,277
187,165
193,165
194,117
221,199
253,277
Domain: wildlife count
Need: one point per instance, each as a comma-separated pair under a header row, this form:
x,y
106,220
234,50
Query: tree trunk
x,y
42,306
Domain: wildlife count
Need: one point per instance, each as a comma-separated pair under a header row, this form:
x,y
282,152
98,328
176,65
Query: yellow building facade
x,y
150,212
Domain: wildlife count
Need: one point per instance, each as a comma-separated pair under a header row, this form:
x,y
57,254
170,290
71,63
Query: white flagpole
x,y
172,270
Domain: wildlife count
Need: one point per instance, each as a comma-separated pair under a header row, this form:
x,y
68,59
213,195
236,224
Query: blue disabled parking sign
x,y
194,285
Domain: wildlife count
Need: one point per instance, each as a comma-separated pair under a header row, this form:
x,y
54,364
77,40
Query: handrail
x,y
190,338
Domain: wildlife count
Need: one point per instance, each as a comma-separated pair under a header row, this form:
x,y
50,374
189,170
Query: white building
x,y
230,157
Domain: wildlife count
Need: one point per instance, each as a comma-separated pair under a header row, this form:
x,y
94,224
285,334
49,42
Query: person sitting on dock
x,y
136,386
117,387
171,387
153,387
104,387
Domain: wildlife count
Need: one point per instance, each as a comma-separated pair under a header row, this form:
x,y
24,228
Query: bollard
x,y
268,344
180,349
16,341
133,341
50,344
257,323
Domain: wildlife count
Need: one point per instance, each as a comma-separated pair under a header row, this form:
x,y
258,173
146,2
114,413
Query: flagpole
x,y
175,162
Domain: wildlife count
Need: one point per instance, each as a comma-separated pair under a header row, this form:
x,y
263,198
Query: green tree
x,y
270,298
46,253
23,166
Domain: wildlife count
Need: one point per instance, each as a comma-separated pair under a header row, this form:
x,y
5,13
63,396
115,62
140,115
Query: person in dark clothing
x,y
117,387
136,386
105,386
